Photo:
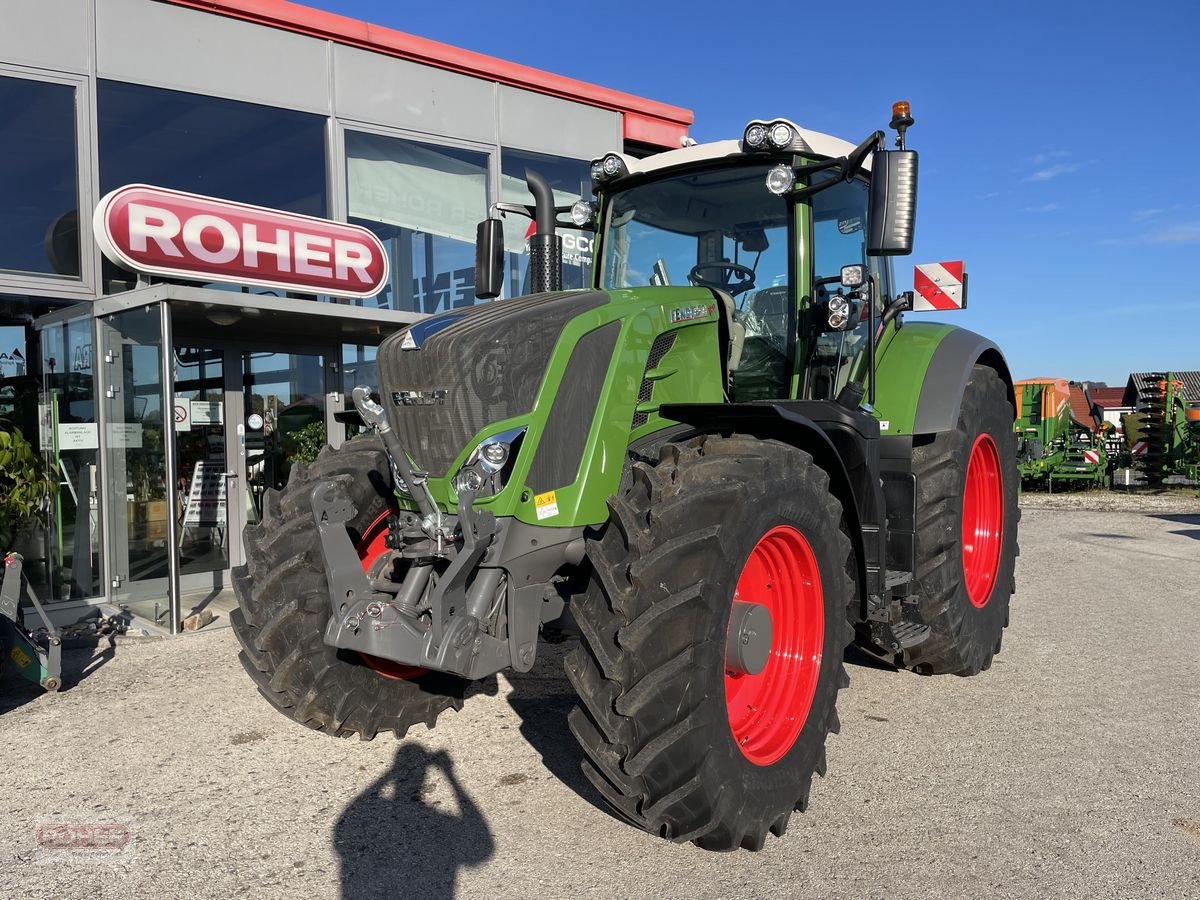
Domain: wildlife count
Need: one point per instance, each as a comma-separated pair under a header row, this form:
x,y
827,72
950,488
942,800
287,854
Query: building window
x,y
211,146
221,148
39,219
423,201
570,180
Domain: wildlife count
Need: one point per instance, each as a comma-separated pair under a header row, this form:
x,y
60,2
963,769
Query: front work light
x,y
853,276
772,136
606,168
780,179
583,213
756,136
781,135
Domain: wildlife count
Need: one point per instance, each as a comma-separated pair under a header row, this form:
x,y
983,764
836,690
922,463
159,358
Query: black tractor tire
x,y
650,668
963,637
284,607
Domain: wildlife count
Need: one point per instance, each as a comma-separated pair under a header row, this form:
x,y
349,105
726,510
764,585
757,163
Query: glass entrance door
x,y
139,496
204,468
284,403
195,436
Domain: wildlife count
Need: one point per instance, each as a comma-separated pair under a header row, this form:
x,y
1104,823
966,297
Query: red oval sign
x,y
164,232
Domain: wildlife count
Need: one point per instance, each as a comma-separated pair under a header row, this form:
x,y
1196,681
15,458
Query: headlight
x,y
488,468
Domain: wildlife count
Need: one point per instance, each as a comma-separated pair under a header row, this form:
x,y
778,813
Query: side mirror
x,y
893,209
489,259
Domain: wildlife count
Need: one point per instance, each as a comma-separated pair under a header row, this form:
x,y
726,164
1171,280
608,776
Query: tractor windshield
x,y
715,228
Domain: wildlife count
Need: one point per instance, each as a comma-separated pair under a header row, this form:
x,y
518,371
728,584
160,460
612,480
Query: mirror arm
x,y
517,208
847,166
854,160
899,305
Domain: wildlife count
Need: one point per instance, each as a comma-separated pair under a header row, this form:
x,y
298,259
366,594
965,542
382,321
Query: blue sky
x,y
1060,141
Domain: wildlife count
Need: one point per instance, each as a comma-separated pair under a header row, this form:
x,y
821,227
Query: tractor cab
x,y
774,225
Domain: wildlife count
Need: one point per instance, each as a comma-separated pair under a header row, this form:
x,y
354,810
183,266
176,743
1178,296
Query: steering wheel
x,y
726,271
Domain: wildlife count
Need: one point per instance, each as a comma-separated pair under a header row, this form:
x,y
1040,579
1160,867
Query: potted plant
x,y
25,486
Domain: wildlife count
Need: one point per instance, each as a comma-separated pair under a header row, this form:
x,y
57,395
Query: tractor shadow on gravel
x,y
427,844
543,697
1179,519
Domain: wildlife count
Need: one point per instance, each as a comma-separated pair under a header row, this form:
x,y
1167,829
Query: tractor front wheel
x,y
712,639
284,607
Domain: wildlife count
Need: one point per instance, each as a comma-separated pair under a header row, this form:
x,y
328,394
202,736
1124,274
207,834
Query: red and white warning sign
x,y
1139,449
1091,456
939,286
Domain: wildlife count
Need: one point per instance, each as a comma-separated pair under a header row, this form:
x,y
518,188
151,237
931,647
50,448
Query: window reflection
x,y
423,201
39,221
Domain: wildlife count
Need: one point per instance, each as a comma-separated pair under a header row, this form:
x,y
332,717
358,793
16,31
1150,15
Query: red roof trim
x,y
647,121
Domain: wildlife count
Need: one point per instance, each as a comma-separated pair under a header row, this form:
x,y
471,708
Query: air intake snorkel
x,y
545,247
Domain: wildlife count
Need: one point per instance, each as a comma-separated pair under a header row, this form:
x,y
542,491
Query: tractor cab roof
x,y
822,146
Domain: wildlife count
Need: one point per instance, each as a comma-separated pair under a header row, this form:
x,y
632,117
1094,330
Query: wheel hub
x,y
749,645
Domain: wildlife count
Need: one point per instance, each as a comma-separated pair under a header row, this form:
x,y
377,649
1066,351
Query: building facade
x,y
165,409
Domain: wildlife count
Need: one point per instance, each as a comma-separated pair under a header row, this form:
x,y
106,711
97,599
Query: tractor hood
x,y
445,378
566,380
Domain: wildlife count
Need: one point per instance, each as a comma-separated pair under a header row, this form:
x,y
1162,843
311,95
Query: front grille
x,y
489,362
661,347
561,449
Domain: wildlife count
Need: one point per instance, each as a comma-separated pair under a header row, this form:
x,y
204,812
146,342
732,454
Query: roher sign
x,y
181,235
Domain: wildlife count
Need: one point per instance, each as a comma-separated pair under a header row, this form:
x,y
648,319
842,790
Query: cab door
x,y
839,216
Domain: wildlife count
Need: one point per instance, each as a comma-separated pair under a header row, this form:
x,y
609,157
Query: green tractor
x,y
719,466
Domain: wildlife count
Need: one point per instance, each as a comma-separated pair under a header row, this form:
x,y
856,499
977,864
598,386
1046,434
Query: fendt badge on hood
x,y
419,398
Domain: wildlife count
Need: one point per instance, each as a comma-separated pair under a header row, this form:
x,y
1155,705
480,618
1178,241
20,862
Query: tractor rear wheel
x,y
966,543
683,737
284,606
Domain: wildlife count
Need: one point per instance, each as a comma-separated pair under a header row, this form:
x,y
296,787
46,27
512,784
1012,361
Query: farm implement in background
x,y
1163,434
1054,446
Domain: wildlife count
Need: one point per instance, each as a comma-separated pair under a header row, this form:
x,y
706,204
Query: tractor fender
x,y
941,357
946,379
770,420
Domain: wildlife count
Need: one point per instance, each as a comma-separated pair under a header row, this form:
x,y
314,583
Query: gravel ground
x,y
1174,500
1070,769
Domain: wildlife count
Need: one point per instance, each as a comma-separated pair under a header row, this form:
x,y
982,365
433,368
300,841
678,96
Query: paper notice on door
x,y
78,436
125,434
207,412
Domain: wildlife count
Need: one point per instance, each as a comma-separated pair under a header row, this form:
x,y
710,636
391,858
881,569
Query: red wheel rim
x,y
371,548
982,521
766,711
